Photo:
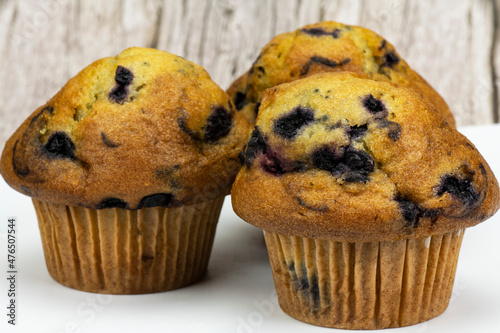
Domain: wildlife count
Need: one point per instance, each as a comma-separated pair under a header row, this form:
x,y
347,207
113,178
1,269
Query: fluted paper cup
x,y
364,285
118,251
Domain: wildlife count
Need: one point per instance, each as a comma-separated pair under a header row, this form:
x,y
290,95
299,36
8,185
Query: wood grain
x,y
453,44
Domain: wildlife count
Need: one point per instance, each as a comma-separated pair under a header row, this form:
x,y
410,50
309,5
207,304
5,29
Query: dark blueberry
x,y
374,105
327,157
155,200
256,108
314,31
218,124
353,165
357,131
323,61
289,124
359,161
459,188
108,142
240,100
390,59
20,171
118,94
59,145
410,211
384,42
335,33
111,203
320,32
394,130
256,144
123,76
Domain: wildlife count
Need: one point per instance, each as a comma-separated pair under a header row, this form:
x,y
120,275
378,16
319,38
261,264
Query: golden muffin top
x,y
145,128
344,157
327,47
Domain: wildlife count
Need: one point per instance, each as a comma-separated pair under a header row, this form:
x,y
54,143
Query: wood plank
x,y
447,43
52,41
453,44
495,60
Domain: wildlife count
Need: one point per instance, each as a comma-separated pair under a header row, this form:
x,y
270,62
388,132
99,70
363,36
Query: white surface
x,y
238,293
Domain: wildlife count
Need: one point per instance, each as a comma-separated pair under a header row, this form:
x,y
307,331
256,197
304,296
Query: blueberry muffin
x,y
327,47
363,191
128,165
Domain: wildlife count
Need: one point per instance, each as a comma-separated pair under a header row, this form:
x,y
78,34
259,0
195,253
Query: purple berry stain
x,y
272,162
257,144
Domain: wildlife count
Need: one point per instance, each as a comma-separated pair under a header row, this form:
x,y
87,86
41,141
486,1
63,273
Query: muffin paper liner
x,y
118,251
370,285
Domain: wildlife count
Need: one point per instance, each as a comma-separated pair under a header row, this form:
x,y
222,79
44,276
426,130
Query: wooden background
x,y
452,43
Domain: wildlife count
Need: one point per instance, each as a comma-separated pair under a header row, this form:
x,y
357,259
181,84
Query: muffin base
x,y
118,251
371,285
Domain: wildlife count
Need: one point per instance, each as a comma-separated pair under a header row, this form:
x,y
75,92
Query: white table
x,y
238,293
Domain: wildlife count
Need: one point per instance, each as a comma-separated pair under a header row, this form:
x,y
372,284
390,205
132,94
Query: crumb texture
x,y
327,47
338,155
143,129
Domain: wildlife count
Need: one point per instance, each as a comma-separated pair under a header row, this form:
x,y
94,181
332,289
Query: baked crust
x,y
146,128
339,156
327,47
